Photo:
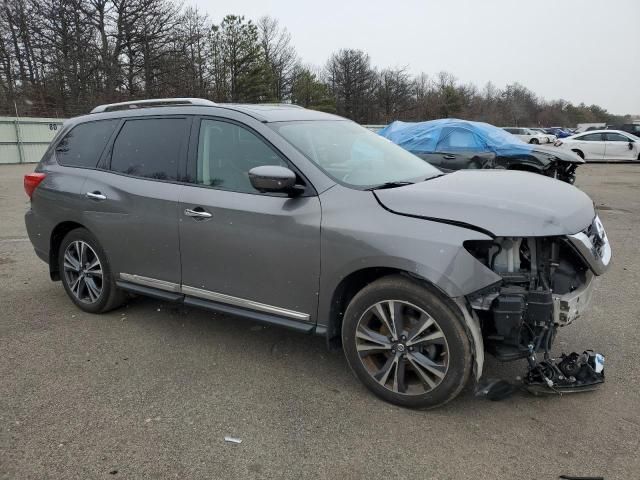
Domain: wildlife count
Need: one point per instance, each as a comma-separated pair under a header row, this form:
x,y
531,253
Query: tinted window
x,y
591,137
512,130
226,153
84,144
615,137
453,139
149,148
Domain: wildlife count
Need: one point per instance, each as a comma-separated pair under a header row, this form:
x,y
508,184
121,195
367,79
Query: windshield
x,y
353,155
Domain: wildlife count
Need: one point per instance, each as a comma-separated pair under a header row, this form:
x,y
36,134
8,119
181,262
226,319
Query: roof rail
x,y
154,102
290,105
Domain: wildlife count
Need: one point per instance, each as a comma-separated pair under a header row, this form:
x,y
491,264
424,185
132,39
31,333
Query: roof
x,y
266,112
604,131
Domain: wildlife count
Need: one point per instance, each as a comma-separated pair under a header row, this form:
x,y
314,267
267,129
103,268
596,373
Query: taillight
x,y
31,181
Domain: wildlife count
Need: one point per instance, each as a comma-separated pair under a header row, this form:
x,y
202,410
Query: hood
x,y
505,203
559,153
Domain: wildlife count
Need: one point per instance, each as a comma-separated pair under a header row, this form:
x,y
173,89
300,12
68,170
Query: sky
x,y
578,50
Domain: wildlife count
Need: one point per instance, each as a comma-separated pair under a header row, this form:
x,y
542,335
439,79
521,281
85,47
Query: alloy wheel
x,y
83,271
402,347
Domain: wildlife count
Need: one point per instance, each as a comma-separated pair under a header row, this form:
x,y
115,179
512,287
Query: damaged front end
x,y
546,283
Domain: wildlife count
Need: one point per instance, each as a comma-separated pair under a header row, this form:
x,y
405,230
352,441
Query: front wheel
x,y
86,273
534,141
406,344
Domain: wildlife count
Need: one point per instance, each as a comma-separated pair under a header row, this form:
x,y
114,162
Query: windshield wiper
x,y
389,185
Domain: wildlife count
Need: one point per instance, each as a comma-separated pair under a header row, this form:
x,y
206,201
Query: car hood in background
x,y
505,203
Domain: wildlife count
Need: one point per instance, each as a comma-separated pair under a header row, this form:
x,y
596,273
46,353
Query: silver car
x,y
308,221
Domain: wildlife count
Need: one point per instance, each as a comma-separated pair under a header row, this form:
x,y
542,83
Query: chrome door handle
x,y
96,196
449,157
196,213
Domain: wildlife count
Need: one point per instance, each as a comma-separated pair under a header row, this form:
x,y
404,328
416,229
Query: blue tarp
x,y
451,134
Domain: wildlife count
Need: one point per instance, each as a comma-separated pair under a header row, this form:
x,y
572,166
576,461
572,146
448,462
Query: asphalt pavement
x,y
151,390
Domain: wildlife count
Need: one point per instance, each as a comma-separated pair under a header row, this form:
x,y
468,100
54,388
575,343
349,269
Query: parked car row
x,y
306,220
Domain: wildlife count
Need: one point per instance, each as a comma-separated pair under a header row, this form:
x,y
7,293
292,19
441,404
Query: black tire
x,y
534,141
109,296
412,296
579,153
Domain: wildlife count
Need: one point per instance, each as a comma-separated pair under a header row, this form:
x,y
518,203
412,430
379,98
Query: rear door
x,y
592,145
619,147
241,248
131,201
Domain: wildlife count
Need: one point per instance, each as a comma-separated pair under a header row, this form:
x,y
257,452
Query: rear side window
x,y
591,137
149,148
83,145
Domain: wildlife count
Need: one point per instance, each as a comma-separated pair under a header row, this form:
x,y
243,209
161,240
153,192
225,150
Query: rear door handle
x,y
197,212
96,196
449,157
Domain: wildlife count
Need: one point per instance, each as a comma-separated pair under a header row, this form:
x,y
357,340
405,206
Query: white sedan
x,y
550,136
527,135
610,145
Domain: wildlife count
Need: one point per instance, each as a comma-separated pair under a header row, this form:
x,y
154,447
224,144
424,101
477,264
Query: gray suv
x,y
308,221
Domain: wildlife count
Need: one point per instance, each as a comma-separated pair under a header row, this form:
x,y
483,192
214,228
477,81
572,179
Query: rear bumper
x,y
39,241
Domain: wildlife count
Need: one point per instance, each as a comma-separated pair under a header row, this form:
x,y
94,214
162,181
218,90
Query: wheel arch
x,y
351,284
578,152
57,234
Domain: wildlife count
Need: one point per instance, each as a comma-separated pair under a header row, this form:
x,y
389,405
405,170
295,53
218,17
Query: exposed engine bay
x,y
546,284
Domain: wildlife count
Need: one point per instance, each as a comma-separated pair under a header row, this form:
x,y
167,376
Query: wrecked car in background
x,y
452,144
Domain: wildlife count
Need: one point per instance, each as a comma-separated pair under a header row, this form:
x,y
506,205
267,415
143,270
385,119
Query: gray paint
x,y
506,203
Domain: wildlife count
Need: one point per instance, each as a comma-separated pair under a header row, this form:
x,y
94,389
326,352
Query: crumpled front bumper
x,y
570,306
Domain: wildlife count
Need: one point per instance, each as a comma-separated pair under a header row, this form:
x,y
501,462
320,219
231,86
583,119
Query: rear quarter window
x,y
83,145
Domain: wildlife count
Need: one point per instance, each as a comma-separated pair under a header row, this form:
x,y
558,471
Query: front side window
x,y
353,155
149,148
615,137
83,145
458,139
226,153
591,137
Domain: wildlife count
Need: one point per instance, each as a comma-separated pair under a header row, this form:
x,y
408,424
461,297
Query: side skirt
x,y
177,297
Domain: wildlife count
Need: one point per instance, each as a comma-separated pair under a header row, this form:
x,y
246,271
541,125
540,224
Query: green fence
x,y
24,140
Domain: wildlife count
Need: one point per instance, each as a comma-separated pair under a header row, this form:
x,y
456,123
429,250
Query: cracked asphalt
x,y
151,390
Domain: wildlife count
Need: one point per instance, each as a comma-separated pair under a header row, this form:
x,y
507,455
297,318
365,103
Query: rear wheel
x,y
86,274
406,344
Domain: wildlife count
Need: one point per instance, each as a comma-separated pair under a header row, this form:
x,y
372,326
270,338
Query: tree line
x,y
60,58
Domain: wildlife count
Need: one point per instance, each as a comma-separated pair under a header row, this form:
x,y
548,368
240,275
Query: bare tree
x,y
279,55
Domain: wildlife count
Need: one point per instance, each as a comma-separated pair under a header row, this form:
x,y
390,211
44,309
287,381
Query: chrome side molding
x,y
214,296
151,282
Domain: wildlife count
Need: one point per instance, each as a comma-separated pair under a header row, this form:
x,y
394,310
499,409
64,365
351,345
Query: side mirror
x,y
630,144
272,178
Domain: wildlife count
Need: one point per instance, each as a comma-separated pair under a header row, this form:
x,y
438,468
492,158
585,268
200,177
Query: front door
x,y
239,247
619,147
